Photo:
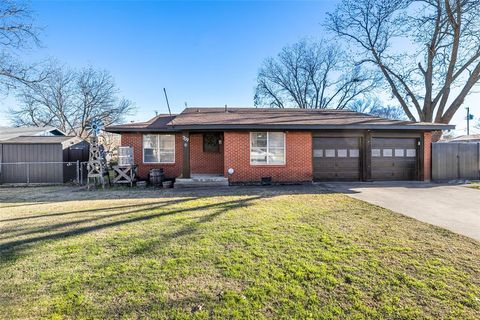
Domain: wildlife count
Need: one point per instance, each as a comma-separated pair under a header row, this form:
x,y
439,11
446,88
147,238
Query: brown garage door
x,y
394,159
336,159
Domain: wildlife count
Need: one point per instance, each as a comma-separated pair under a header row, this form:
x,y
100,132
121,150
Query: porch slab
x,y
201,180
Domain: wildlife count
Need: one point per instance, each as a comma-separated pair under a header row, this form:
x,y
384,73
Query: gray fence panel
x,y
455,161
468,160
39,172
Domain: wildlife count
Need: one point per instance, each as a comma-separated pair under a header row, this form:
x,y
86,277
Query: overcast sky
x,y
204,53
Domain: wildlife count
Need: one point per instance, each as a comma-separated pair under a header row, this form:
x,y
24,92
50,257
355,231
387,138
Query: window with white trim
x,y
159,148
267,148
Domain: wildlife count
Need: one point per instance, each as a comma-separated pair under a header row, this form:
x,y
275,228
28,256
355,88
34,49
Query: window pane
x,y
399,153
211,142
318,153
167,157
150,148
375,152
258,155
387,152
150,155
150,141
342,153
259,139
354,153
330,153
411,153
275,139
276,156
167,142
167,148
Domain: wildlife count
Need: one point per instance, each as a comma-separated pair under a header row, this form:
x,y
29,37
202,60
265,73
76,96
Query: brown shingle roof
x,y
158,122
256,116
270,118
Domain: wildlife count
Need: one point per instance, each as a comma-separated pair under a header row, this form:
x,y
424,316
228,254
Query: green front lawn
x,y
246,253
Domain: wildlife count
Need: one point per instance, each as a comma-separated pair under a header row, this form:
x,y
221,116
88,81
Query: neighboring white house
x,y
7,133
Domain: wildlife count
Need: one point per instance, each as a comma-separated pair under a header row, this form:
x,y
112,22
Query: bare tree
x,y
377,108
310,75
110,142
17,34
70,100
428,51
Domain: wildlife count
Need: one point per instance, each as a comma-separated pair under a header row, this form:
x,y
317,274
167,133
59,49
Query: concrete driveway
x,y
453,207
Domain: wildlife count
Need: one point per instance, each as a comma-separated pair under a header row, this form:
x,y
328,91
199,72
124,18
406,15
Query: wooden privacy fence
x,y
455,161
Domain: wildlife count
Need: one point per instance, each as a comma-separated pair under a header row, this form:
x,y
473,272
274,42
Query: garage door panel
x,y
337,175
394,175
336,158
394,142
394,159
323,166
334,142
337,163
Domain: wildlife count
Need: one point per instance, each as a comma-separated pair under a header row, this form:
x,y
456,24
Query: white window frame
x,y
268,148
158,144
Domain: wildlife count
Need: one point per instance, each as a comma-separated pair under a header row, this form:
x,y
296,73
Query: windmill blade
x,y
95,126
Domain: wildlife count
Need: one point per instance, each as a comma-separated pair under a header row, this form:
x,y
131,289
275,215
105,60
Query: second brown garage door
x,y
336,158
394,159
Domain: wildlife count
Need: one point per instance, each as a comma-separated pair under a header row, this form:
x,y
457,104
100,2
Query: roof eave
x,y
176,128
317,127
125,129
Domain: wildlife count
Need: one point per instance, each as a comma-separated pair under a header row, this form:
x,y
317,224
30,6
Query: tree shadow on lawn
x,y
20,204
186,194
103,209
137,208
10,250
29,196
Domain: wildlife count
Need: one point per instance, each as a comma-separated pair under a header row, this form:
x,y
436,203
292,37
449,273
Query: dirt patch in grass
x,y
474,186
280,252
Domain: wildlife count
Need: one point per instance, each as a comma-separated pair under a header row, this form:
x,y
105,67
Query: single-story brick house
x,y
286,145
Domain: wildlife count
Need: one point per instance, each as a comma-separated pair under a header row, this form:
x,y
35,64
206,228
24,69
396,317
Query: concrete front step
x,y
201,181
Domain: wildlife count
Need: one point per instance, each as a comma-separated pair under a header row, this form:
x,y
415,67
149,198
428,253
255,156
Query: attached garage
x,y
337,158
395,159
371,155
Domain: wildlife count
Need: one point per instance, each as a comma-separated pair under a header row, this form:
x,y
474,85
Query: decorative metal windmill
x,y
95,126
97,166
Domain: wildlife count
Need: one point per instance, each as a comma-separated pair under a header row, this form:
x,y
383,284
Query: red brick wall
x,y
172,170
204,162
298,165
235,153
427,156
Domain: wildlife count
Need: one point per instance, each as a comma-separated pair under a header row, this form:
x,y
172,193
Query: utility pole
x,y
468,121
469,117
